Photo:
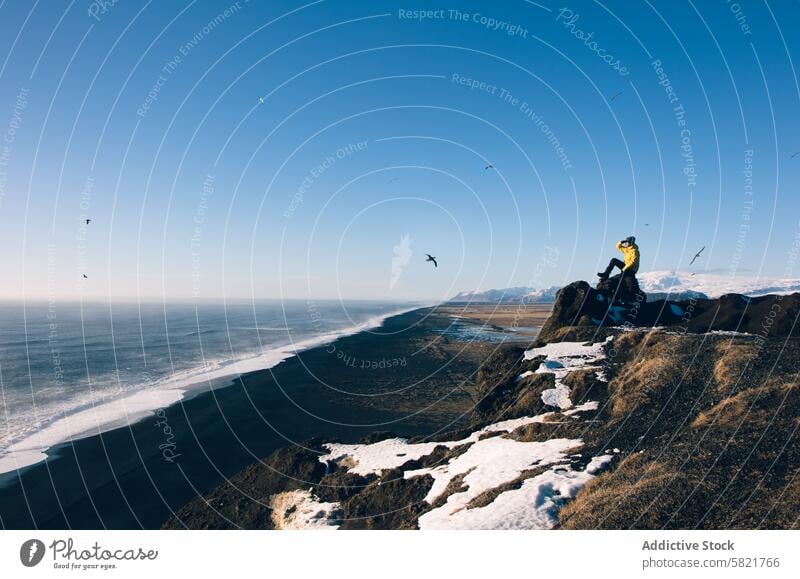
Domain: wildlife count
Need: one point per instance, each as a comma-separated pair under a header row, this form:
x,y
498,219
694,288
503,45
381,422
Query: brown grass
x,y
732,363
609,501
756,406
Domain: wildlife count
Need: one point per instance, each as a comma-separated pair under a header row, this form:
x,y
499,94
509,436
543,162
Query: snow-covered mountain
x,y
508,295
680,285
714,284
543,295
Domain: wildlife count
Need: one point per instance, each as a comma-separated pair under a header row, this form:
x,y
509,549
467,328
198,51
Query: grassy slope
x,y
708,425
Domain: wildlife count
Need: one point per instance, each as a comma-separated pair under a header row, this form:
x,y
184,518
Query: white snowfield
x,y
715,284
543,473
561,358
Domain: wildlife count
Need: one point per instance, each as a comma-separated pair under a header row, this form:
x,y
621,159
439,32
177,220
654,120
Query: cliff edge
x,y
625,414
580,308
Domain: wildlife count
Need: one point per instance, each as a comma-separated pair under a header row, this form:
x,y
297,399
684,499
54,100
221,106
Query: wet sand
x,y
510,317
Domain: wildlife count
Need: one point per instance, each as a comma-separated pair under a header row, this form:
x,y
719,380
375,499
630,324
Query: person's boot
x,y
603,274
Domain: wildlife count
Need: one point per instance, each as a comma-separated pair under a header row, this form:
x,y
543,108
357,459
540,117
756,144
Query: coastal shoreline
x,y
409,376
141,404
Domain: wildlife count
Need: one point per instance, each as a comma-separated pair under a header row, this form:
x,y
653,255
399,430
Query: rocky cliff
x,y
625,414
581,309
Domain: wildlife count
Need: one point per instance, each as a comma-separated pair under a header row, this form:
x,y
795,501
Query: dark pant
x,y
617,263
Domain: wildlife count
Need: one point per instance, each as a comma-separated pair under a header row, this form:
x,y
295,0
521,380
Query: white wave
x,y
96,415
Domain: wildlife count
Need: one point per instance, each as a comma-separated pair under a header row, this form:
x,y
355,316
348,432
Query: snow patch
x,y
366,459
373,458
558,396
599,463
487,464
534,505
561,358
730,333
585,407
300,509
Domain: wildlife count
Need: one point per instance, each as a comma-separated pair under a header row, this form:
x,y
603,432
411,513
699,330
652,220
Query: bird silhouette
x,y
613,98
85,276
431,258
489,166
88,221
696,255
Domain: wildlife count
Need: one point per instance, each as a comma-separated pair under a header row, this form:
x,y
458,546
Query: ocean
x,y
71,370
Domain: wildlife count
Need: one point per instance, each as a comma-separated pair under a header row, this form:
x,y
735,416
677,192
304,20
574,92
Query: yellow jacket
x,y
631,255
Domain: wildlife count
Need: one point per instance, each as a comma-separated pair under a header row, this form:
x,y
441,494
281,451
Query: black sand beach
x,y
412,376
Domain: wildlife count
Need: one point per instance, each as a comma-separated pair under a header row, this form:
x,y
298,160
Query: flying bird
x,y
261,100
85,276
613,98
696,255
88,221
433,259
489,166
795,154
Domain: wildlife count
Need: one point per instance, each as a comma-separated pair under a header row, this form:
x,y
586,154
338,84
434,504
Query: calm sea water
x,y
69,370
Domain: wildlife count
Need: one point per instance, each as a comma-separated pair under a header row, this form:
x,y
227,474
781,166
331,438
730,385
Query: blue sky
x,y
377,123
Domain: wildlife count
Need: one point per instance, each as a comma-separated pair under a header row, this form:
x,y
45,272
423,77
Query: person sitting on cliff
x,y
629,267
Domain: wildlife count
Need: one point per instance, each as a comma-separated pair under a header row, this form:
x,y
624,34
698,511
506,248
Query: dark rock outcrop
x,y
502,394
393,503
581,312
243,500
622,289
